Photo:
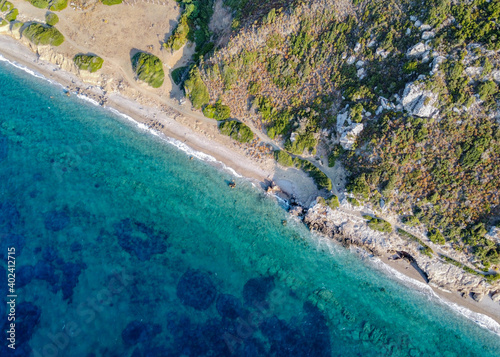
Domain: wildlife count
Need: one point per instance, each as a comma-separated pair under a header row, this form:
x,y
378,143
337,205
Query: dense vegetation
x,y
148,68
298,66
237,131
91,63
332,202
196,89
425,249
378,224
217,111
10,13
322,181
52,5
193,26
40,34
51,19
111,2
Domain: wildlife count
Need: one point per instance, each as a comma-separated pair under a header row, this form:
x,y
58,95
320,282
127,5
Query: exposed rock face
x,y
435,64
347,130
418,50
427,35
352,230
350,134
418,101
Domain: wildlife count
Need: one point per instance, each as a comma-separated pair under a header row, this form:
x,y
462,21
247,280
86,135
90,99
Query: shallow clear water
x,y
126,247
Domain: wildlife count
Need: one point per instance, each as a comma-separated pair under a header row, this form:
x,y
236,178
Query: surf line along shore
x,y
168,122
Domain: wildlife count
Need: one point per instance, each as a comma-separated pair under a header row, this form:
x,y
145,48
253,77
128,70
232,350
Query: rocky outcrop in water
x,y
352,230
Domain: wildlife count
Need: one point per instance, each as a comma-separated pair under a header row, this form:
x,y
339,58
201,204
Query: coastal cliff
x,y
351,230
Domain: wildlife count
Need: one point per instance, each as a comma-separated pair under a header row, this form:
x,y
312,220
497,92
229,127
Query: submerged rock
x,y
56,220
11,240
229,306
138,331
4,148
50,254
138,239
9,215
256,290
45,271
196,289
71,272
24,275
208,339
27,319
316,332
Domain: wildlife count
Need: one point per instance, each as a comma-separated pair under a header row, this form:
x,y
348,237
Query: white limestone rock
x,y
418,50
418,101
435,64
495,75
381,52
425,27
361,73
427,35
350,134
474,72
351,60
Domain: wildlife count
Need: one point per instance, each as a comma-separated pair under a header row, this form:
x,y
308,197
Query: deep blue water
x,y
126,247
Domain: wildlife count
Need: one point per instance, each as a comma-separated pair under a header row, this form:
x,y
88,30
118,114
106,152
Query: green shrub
x,y
359,186
237,131
16,26
283,158
380,225
322,181
333,202
148,68
487,89
7,6
302,142
435,236
356,113
253,88
51,19
111,2
196,89
217,111
91,63
12,15
180,34
3,23
353,201
335,154
425,248
411,221
178,74
58,5
41,4
43,35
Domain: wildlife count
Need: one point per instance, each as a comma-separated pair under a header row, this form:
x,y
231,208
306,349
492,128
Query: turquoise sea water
x,y
126,247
